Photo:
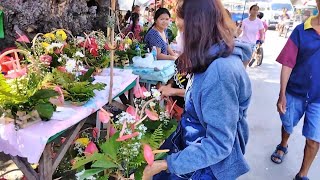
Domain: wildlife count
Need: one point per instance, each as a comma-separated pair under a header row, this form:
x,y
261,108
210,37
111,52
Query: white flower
x,y
156,94
125,117
70,65
146,94
79,54
60,59
80,39
81,68
54,45
152,104
58,45
118,38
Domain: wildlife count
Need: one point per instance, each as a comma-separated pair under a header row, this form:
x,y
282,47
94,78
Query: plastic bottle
x,y
154,52
138,50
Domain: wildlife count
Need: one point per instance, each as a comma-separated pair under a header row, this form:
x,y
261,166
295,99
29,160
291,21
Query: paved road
x,y
265,124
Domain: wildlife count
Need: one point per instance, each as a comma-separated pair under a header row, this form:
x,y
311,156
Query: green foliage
x,y
87,75
156,138
104,164
90,172
111,146
76,90
172,32
24,94
81,161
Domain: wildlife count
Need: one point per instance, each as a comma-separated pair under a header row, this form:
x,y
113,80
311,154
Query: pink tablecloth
x,y
31,141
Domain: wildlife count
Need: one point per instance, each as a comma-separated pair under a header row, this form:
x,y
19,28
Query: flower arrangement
x,y
96,55
133,142
25,99
53,70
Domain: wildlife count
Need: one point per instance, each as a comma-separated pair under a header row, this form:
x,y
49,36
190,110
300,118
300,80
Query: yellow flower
x,y
128,41
83,141
50,36
62,35
45,45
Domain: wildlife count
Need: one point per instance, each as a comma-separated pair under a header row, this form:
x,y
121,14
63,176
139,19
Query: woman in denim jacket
x,y
210,140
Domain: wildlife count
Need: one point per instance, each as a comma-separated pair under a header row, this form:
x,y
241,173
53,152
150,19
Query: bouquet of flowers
x,y
25,99
133,142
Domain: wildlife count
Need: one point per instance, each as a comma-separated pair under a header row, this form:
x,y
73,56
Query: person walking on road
x,y
250,27
300,91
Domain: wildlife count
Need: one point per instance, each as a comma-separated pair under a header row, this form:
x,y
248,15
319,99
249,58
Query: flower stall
x,y
53,87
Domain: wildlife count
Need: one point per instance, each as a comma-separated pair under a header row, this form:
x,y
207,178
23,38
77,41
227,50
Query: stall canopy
x,y
126,5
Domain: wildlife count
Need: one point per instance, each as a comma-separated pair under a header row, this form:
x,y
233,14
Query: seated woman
x,y
134,27
156,35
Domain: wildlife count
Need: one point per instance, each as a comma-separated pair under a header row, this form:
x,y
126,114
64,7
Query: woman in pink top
x,y
251,26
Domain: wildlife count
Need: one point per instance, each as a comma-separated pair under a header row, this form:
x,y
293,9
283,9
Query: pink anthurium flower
x,y
148,154
133,112
138,91
170,107
59,101
23,38
129,136
152,115
112,131
104,116
16,74
95,132
90,149
123,128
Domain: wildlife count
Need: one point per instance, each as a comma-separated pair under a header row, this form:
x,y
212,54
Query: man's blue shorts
x,y
296,108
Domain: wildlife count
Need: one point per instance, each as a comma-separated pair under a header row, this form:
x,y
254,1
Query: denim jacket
x,y
220,97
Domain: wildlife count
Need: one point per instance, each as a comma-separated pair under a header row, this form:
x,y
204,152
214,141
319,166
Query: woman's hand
x,y
167,91
154,169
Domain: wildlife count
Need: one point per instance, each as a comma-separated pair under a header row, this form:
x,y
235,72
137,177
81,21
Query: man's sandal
x,y
275,155
300,178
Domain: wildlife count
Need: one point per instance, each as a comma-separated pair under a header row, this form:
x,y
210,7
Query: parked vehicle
x,y
274,11
237,10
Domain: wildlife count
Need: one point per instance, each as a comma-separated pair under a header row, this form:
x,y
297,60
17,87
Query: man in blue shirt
x,y
300,91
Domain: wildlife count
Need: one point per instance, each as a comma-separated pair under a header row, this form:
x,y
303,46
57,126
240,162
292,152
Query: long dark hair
x,y
206,23
158,13
134,19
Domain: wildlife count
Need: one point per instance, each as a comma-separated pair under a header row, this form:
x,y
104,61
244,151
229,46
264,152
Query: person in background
x,y
260,16
300,91
284,18
175,89
136,9
250,27
157,37
211,136
125,21
134,27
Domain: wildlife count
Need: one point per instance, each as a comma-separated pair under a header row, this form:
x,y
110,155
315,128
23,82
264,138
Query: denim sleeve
x,y
220,112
